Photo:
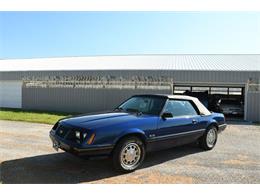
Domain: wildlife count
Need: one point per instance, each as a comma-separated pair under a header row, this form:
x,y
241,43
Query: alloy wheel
x,y
130,156
211,137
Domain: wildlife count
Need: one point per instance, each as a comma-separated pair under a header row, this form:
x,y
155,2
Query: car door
x,y
184,126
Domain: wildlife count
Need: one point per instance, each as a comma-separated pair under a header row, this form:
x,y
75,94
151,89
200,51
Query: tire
x,y
128,154
209,139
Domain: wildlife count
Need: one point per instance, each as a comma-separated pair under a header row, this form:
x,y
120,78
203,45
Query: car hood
x,y
104,119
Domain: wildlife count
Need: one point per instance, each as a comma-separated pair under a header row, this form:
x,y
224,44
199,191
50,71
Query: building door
x,y
11,94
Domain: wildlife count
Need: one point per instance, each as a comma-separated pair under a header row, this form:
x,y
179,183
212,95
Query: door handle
x,y
194,121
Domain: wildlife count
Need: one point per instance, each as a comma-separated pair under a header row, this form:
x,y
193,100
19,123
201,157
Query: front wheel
x,y
209,139
128,154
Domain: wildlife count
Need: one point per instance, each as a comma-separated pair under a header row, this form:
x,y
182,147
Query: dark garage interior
x,y
228,100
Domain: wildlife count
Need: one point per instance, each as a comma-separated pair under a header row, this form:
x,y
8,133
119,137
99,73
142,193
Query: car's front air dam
x,y
93,150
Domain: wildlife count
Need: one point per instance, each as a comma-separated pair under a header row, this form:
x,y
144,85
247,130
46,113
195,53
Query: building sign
x,y
97,82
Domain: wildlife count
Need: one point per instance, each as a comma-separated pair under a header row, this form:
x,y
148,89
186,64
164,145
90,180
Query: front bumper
x,y
78,149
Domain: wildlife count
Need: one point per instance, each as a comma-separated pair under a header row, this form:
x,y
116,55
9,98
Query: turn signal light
x,y
91,139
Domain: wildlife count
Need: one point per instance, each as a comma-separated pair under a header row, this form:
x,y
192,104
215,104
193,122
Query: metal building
x,y
87,84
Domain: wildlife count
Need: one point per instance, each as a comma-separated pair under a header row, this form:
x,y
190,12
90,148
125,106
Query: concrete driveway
x,y
26,156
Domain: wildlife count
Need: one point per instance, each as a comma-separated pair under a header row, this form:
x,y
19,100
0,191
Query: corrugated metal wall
x,y
78,99
253,106
75,99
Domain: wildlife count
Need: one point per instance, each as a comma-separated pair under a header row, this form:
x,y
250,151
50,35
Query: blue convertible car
x,y
141,124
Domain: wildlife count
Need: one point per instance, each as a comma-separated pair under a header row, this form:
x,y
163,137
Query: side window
x,y
156,105
180,108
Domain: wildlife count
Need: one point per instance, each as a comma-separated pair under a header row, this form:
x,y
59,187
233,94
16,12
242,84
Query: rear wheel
x,y
128,154
209,139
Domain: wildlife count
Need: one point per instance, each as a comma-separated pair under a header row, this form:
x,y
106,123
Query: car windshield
x,y
143,104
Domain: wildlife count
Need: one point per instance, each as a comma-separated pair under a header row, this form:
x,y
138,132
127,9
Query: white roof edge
x,y
126,55
171,96
215,62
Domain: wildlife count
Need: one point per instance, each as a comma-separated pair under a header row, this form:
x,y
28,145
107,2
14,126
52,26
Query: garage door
x,y
11,94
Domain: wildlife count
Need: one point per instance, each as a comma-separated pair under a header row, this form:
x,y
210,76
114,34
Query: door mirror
x,y
167,115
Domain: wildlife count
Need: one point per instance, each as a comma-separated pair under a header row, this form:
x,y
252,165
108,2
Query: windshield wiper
x,y
118,109
134,110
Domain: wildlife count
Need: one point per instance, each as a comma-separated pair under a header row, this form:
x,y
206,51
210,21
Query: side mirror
x,y
167,115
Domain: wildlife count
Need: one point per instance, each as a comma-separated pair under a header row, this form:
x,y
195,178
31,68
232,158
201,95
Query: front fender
x,y
133,131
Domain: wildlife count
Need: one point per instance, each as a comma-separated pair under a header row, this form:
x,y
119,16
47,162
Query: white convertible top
x,y
203,110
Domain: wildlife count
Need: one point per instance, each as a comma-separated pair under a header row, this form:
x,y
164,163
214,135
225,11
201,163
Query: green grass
x,y
31,116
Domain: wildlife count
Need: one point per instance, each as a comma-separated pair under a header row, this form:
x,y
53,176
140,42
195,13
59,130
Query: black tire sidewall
x,y
118,149
203,140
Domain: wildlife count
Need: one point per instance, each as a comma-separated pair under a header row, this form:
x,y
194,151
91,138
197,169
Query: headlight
x,y
77,134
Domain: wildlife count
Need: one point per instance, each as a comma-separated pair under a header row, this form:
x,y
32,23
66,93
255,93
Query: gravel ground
x,y
26,156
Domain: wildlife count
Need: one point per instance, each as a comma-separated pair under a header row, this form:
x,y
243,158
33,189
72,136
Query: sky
x,y
60,34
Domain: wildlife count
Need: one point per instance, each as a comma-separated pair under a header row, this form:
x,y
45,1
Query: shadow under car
x,y
65,168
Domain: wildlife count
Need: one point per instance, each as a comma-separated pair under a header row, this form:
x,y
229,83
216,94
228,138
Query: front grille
x,y
72,136
69,133
62,130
